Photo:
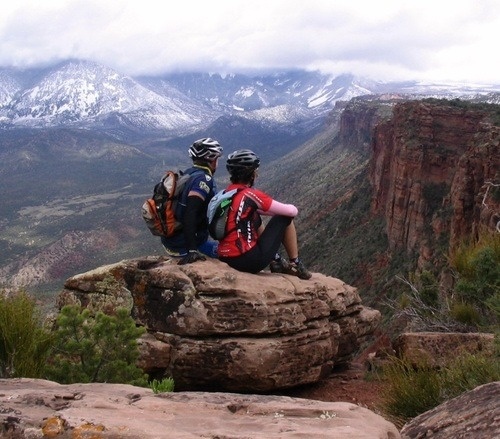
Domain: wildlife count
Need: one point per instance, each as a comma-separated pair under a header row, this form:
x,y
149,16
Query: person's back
x,y
244,221
193,240
248,245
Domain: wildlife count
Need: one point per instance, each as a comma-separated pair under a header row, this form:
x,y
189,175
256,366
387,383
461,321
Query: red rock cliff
x,y
431,169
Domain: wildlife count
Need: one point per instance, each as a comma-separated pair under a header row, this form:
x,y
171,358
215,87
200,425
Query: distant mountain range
x,y
82,145
83,94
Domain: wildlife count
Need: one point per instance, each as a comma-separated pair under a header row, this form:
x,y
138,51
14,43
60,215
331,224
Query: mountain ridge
x,y
71,177
89,95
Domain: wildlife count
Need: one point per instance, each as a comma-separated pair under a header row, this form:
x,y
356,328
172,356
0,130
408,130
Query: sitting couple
x,y
248,245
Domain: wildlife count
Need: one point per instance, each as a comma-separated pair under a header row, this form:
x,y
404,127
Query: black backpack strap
x,y
182,198
232,200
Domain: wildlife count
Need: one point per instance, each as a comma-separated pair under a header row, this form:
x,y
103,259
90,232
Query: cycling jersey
x,y
244,219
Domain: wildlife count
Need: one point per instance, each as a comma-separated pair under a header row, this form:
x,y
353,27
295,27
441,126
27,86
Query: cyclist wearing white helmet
x,y
248,245
193,243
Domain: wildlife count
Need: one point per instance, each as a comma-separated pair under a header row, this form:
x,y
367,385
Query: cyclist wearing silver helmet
x,y
248,245
193,242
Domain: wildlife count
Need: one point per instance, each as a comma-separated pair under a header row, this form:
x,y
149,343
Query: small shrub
x,y
483,277
98,348
467,371
411,391
420,315
478,268
493,304
404,301
429,289
465,313
415,389
165,385
24,342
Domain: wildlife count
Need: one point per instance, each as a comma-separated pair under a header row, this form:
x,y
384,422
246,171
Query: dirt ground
x,y
353,385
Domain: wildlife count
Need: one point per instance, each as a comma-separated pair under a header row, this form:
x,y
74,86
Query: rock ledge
x,y
213,328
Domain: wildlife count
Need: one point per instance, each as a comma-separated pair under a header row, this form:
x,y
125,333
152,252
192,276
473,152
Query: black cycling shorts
x,y
266,248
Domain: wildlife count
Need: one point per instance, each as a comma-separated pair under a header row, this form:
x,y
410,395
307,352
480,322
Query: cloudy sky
x,y
429,40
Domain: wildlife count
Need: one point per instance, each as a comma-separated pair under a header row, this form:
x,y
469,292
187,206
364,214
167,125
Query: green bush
x,y
415,389
465,313
467,371
477,267
414,310
165,385
479,263
429,289
100,348
411,391
24,342
493,304
482,279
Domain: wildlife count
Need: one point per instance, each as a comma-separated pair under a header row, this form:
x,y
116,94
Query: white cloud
x,y
386,39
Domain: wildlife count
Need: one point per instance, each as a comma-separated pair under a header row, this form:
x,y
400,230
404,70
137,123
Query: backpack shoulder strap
x,y
182,196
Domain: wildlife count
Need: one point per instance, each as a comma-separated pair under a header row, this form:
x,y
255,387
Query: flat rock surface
x,y
38,408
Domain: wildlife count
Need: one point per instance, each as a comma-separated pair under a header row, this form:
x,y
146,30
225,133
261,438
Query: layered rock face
x,y
357,122
213,328
431,171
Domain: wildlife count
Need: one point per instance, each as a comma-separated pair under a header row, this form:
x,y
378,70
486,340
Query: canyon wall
x,y
433,172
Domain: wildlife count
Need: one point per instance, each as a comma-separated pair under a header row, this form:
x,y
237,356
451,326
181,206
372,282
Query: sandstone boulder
x,y
213,328
472,415
36,408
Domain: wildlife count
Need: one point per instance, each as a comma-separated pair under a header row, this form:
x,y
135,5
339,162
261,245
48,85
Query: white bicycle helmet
x,y
206,149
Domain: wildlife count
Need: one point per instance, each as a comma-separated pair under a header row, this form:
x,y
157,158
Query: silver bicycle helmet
x,y
205,149
242,160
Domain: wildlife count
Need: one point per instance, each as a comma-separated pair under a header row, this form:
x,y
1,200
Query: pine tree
x,y
100,348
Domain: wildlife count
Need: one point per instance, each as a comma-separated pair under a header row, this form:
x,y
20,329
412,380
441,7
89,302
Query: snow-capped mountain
x,y
90,95
9,86
77,93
